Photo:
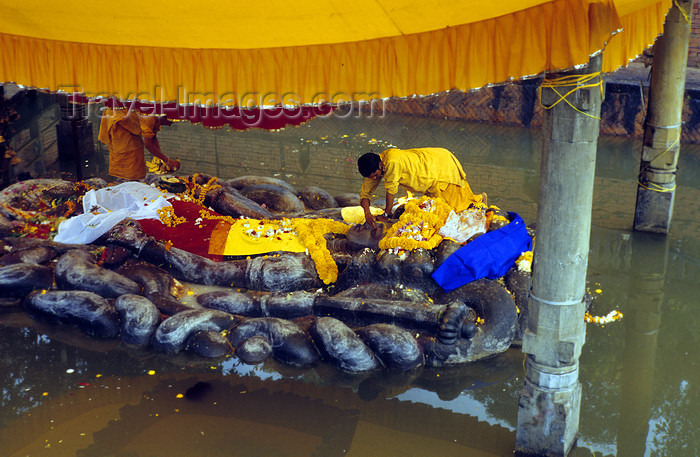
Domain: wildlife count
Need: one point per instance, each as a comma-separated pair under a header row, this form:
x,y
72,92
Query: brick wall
x,y
694,41
694,45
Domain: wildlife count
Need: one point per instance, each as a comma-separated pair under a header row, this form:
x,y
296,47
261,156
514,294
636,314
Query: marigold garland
x,y
610,317
197,192
418,226
206,214
167,216
71,208
491,215
81,187
311,232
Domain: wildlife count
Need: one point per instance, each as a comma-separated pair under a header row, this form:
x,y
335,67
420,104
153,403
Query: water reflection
x,y
646,296
635,378
639,375
105,403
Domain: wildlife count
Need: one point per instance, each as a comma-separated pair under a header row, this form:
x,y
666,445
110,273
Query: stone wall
x,y
517,104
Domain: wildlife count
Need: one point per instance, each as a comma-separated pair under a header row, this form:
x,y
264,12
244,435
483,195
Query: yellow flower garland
x,y
612,316
206,214
418,226
311,232
197,192
167,216
491,216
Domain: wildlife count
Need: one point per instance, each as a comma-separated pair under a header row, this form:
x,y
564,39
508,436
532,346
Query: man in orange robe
x,y
126,132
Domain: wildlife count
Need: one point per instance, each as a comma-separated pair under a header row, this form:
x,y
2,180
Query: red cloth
x,y
219,116
206,238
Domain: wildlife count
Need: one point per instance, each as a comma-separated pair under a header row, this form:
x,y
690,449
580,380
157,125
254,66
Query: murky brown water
x,y
65,395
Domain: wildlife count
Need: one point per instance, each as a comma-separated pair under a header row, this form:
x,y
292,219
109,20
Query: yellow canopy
x,y
305,51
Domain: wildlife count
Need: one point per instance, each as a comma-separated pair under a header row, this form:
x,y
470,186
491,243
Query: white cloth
x,y
105,208
461,226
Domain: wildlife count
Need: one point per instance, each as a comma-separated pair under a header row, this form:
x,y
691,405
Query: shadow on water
x,y
66,395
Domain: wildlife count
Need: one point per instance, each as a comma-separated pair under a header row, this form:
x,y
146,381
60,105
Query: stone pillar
x,y
549,404
74,134
662,131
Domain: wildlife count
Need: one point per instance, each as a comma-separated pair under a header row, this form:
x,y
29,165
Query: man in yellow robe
x,y
434,172
126,132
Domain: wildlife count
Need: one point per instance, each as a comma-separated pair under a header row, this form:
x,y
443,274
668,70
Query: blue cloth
x,y
489,256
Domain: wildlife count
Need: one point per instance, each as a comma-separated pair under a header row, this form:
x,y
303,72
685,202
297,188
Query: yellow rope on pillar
x,y
653,186
685,15
579,81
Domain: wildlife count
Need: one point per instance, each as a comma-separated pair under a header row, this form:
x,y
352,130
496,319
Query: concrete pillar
x,y
549,404
74,135
662,131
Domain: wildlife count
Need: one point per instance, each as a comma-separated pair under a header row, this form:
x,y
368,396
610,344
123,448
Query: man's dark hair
x,y
368,163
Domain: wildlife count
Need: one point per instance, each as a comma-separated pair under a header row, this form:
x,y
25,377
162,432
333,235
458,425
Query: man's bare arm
x,y
364,203
389,203
153,147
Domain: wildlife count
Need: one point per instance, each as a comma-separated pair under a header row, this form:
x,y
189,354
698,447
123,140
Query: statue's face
x,y
364,236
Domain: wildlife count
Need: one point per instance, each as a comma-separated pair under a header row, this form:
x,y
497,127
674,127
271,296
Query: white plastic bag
x,y
461,226
88,227
140,200
105,208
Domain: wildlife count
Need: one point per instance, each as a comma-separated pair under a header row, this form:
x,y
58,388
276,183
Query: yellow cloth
x,y
431,171
366,49
123,131
356,214
260,240
459,197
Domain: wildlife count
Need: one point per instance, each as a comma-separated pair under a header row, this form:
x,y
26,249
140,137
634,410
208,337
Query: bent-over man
x,y
434,172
